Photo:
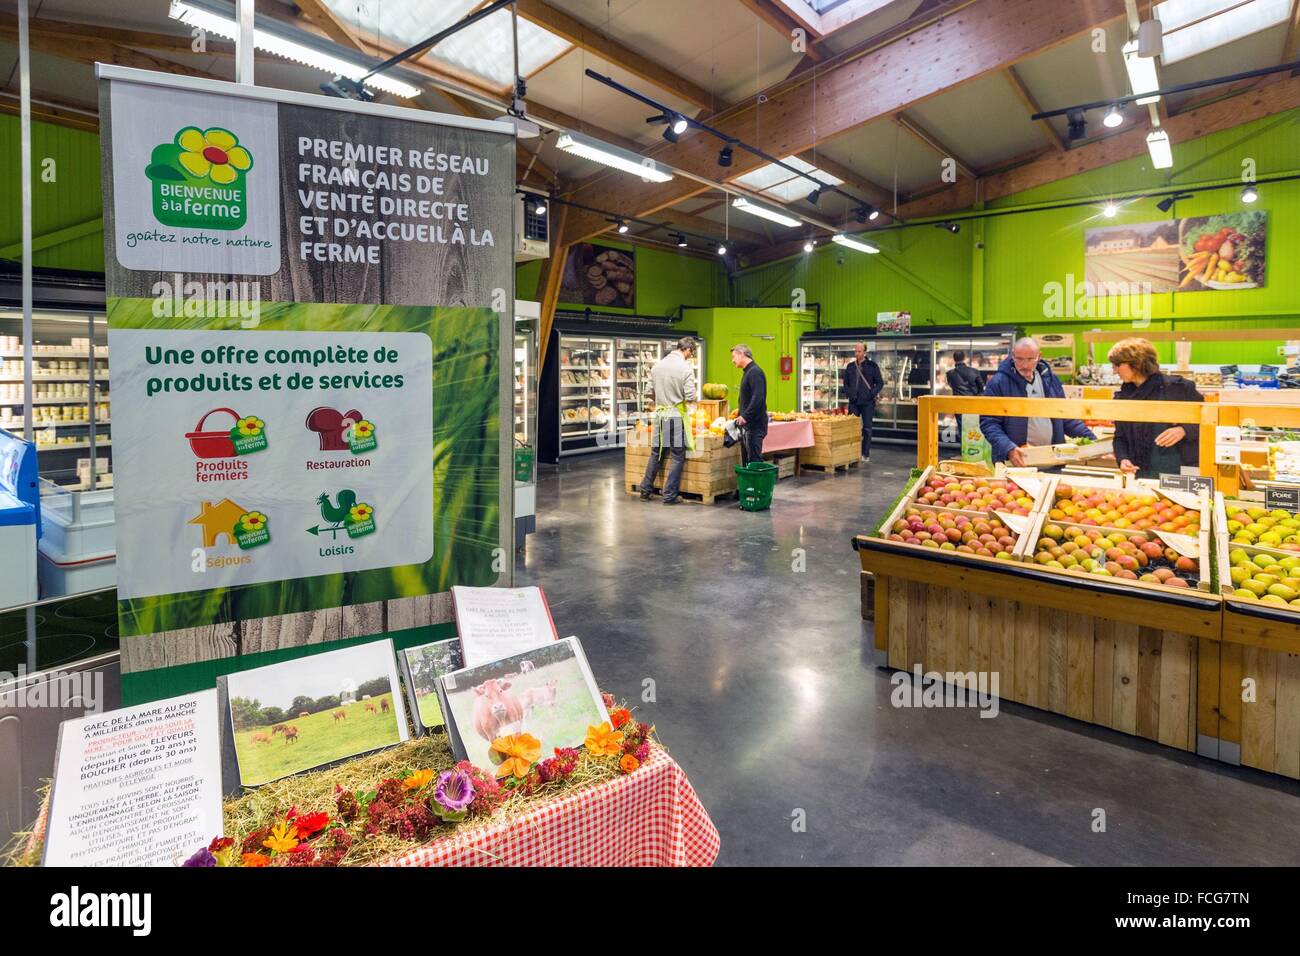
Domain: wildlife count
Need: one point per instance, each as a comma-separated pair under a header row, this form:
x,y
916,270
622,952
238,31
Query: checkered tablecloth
x,y
650,817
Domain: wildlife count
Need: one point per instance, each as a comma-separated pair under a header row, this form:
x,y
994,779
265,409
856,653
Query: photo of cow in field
x,y
317,689
547,693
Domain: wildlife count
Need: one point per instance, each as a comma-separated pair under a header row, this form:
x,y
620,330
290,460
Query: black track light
x,y
675,124
1167,203
866,212
681,240
722,249
1078,125
815,196
622,225
1249,194
953,227
724,156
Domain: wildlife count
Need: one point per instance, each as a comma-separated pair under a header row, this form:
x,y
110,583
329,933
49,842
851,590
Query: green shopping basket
x,y
756,482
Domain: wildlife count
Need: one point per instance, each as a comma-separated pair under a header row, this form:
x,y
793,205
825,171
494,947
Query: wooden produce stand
x,y
709,472
1258,721
1129,656
837,443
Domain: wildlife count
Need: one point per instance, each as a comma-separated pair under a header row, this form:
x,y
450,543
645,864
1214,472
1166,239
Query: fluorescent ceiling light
x,y
844,240
1142,77
1194,26
273,43
754,209
1162,156
607,154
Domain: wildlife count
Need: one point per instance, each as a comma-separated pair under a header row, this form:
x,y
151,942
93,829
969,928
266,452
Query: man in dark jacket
x,y
863,384
752,403
962,379
1025,375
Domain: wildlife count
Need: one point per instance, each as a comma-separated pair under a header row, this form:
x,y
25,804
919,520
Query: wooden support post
x,y
548,287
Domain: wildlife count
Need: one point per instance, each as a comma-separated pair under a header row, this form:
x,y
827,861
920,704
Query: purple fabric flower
x,y
454,791
201,858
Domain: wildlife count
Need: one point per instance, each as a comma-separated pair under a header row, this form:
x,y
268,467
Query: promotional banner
x,y
307,305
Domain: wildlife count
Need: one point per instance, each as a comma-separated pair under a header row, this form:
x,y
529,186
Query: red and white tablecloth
x,y
649,817
785,435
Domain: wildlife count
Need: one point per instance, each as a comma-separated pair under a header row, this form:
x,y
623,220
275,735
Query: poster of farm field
x,y
424,665
1199,253
1119,258
309,712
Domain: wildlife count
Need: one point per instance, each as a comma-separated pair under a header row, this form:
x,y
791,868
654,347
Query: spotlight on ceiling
x,y
622,226
1078,125
953,227
724,156
675,124
722,249
1167,203
540,207
815,196
681,240
808,246
1249,194
1109,210
866,212
1114,116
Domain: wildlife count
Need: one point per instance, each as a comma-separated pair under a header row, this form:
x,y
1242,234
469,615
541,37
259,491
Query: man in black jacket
x,y
962,379
752,403
863,384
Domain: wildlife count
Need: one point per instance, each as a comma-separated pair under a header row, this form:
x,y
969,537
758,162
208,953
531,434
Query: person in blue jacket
x,y
1024,374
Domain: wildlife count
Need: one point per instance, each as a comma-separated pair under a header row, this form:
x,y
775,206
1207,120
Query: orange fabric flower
x,y
256,859
620,717
418,779
519,752
603,740
628,763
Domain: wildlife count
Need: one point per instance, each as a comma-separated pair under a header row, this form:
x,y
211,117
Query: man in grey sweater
x,y
673,382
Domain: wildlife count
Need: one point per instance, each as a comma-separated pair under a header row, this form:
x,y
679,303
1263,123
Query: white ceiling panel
x,y
880,151
983,122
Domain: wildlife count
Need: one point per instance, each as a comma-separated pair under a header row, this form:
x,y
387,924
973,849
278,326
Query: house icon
x,y
218,519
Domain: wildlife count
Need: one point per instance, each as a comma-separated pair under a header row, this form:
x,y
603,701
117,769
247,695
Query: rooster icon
x,y
334,514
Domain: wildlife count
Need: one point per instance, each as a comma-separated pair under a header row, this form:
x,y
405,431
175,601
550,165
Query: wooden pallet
x,y
692,497
708,472
787,463
829,468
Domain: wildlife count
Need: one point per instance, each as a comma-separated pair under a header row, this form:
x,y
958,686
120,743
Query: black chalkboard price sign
x,y
1193,483
1287,499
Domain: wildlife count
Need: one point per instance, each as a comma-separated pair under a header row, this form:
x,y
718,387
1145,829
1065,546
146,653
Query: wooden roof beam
x,y
1031,106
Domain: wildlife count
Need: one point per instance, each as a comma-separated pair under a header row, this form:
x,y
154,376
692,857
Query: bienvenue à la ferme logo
x,y
199,179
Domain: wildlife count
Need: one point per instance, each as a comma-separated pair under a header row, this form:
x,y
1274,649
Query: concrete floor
x,y
765,692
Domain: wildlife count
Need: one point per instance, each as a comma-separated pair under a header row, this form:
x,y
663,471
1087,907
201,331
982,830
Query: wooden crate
x,y
787,463
836,443
709,471
713,407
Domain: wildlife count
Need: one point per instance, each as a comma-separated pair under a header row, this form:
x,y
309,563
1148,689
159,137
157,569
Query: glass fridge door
x,y
894,368
525,382
632,396
586,386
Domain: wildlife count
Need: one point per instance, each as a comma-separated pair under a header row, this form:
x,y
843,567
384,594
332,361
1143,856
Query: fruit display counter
x,y
1087,642
710,469
1259,665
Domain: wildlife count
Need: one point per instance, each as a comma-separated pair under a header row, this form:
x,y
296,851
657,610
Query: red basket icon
x,y
213,444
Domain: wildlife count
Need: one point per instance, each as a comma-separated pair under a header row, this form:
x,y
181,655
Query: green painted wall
x,y
664,281
924,271
933,273
770,333
73,198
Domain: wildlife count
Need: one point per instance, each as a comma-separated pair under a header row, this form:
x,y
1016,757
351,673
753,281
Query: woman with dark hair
x,y
1149,449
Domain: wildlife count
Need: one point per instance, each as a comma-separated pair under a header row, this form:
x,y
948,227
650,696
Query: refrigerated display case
x,y
911,366
71,410
983,353
603,384
525,392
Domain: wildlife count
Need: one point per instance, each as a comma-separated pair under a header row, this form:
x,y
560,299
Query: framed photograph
x,y
547,692
314,711
421,667
600,276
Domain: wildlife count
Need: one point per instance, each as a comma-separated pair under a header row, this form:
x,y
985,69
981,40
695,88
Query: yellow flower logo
x,y
251,426
253,521
360,512
214,153
363,429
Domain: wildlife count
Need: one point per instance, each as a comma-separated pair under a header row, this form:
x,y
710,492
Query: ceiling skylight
x,y
483,50
783,185
1194,26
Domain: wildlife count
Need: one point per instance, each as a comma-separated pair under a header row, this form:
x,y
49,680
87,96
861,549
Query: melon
x,y
713,392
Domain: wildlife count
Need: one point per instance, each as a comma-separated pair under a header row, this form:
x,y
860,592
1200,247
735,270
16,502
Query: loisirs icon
x,y
344,513
199,179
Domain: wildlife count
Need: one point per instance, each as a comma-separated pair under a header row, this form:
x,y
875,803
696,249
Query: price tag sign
x,y
1194,484
1287,499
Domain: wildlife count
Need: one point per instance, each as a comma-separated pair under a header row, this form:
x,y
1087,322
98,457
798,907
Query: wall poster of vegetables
x,y
600,275
1196,254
